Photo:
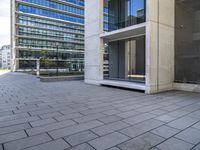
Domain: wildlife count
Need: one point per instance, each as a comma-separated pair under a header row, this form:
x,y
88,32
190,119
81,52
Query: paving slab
x,y
165,131
12,136
84,146
74,129
42,122
197,125
27,142
109,128
183,123
110,119
190,135
165,118
197,147
59,144
80,138
141,128
139,118
143,142
114,148
108,141
175,144
68,116
49,127
14,128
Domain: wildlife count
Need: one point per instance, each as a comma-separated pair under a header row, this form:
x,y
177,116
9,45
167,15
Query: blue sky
x,y
4,22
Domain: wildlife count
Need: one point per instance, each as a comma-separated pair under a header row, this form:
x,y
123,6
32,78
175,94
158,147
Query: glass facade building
x,y
53,26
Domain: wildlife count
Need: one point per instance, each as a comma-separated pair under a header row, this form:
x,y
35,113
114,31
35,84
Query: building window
x,y
123,13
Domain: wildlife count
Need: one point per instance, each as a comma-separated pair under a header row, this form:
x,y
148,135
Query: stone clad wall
x,y
160,45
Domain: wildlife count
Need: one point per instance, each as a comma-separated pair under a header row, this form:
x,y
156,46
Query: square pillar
x,y
160,45
12,35
93,42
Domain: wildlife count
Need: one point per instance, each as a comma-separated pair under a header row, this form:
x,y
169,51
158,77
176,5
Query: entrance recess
x,y
124,60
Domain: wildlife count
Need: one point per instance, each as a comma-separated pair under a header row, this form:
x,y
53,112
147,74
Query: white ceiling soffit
x,y
128,32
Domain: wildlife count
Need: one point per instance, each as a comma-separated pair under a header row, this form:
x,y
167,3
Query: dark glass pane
x,y
124,13
187,41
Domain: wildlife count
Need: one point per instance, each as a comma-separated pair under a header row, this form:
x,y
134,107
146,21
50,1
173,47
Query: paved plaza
x,y
75,116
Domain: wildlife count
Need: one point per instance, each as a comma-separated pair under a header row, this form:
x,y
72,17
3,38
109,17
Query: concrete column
x,y
93,42
12,37
38,68
16,66
160,45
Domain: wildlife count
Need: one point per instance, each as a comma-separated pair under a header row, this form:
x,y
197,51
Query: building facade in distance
x,y
149,45
53,27
0,59
5,57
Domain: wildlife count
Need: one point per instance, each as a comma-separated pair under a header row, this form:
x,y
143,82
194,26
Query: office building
x,y
5,57
148,45
53,27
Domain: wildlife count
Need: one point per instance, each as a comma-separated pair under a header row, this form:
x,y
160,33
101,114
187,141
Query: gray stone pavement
x,y
76,116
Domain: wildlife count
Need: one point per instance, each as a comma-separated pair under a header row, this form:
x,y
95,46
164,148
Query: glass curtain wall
x,y
124,13
187,41
125,60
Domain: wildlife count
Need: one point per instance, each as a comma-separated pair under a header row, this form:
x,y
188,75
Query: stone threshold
x,y
124,84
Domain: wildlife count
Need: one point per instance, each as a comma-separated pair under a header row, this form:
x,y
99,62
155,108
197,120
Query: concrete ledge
x,y
124,84
187,87
124,33
61,78
94,82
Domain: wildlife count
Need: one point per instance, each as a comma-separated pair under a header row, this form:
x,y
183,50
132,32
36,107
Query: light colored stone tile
x,y
165,131
109,128
80,137
108,141
12,136
74,129
27,142
59,144
190,135
173,144
143,142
